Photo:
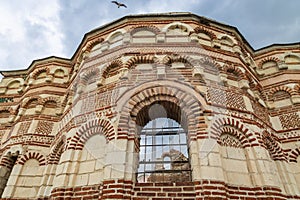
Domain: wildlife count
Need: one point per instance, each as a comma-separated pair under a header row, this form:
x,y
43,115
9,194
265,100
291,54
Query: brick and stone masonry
x,y
88,127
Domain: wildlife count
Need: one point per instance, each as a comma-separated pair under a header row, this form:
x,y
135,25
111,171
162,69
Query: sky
x,y
31,29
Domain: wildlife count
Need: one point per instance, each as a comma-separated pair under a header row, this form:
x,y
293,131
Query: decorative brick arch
x,y
8,109
21,82
183,26
210,34
281,88
268,59
139,60
87,130
181,103
232,127
150,28
7,161
28,100
235,70
294,154
51,98
69,94
116,64
39,71
207,61
297,88
167,60
90,44
56,151
275,151
32,155
89,75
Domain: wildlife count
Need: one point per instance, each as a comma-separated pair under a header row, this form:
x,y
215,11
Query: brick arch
x,y
232,127
268,59
275,151
281,88
32,155
90,44
207,61
297,88
183,26
39,71
227,130
112,65
51,98
8,109
87,130
201,29
151,93
89,75
235,70
28,100
169,59
139,60
150,28
294,154
56,151
7,161
14,81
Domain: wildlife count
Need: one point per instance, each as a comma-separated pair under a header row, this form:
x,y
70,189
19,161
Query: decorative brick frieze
x,y
44,128
226,98
261,112
290,120
23,129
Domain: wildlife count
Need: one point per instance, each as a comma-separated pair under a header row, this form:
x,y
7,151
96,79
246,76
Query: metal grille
x,y
163,153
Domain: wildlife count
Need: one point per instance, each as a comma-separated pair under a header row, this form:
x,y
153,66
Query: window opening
x,y
163,155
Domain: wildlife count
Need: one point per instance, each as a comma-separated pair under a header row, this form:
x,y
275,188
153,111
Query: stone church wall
x,y
71,128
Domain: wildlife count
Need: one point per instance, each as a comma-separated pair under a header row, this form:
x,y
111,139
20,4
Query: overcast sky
x,y
34,29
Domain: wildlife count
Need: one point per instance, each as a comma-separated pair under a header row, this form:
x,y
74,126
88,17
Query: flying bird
x,y
119,4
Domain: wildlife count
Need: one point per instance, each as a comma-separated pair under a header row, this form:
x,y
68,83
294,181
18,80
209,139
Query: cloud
x,y
32,30
29,30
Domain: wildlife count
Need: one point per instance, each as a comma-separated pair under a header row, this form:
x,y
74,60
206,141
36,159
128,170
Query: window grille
x,y
163,155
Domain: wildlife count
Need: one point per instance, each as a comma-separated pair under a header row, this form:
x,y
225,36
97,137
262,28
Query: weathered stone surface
x,y
72,128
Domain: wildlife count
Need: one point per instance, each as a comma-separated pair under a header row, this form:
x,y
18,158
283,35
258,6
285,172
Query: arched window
x,y
163,155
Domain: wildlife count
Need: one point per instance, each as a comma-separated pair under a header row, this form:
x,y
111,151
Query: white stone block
x,y
66,155
12,180
238,166
212,173
261,153
235,153
239,179
107,172
99,164
8,191
117,171
95,178
214,159
86,167
82,180
115,158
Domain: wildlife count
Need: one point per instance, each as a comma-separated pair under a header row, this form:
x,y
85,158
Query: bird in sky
x,y
119,4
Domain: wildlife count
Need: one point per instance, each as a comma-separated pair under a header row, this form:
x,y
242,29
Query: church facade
x,y
154,106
